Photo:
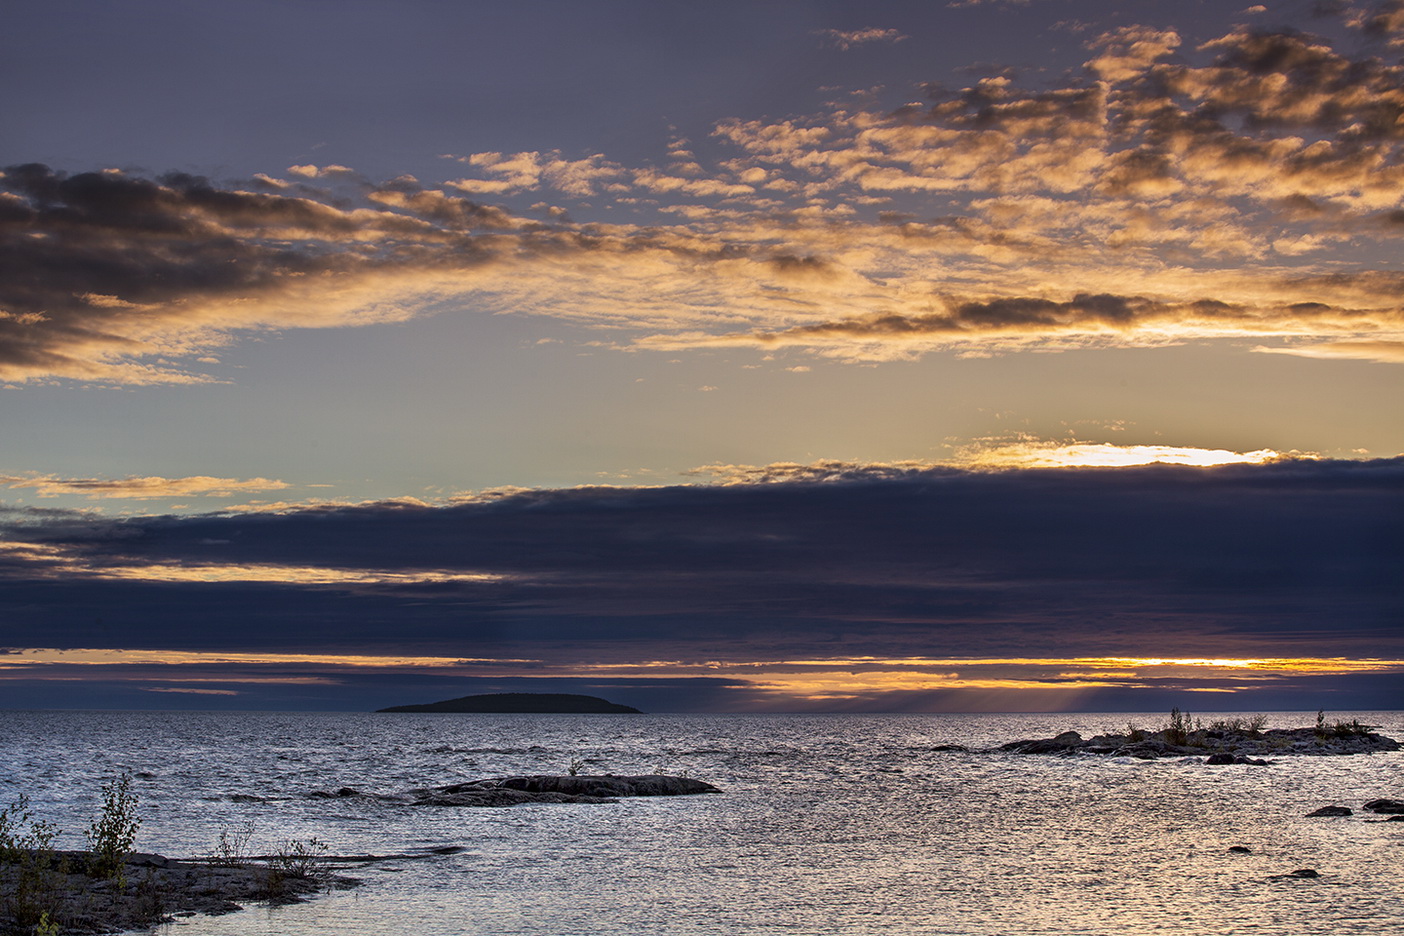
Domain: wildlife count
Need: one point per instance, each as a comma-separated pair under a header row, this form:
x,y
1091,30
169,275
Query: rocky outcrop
x,y
1331,811
1389,806
152,890
512,791
1219,746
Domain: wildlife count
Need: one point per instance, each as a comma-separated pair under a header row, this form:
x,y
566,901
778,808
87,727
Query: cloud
x,y
1284,558
1248,186
140,488
847,39
1381,352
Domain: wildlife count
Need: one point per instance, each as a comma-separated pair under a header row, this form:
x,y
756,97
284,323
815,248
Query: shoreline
x,y
52,892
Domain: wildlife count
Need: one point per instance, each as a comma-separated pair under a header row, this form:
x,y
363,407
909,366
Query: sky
x,y
793,356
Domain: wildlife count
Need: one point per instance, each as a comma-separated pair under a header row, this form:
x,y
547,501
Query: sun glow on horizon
x,y
1108,455
809,680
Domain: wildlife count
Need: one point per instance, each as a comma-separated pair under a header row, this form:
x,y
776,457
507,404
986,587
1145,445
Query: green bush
x,y
112,835
1178,728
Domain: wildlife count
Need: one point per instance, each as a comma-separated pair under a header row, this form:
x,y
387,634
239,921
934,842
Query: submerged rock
x,y
1394,807
1331,811
1226,758
1240,849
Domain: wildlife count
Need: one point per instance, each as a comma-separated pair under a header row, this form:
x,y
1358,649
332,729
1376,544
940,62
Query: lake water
x,y
827,825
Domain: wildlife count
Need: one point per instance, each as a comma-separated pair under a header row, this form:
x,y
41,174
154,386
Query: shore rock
x,y
155,890
1331,811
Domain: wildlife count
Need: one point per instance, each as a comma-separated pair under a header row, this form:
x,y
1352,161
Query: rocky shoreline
x,y
54,892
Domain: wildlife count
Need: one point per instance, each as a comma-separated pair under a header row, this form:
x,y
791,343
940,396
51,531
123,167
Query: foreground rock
x,y
1221,746
513,791
55,889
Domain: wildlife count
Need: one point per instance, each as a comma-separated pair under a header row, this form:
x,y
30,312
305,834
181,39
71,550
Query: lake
x,y
827,823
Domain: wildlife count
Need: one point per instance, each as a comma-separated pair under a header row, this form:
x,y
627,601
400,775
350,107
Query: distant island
x,y
534,703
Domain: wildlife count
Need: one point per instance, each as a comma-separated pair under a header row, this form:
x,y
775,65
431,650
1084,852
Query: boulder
x,y
1240,849
1331,811
1064,743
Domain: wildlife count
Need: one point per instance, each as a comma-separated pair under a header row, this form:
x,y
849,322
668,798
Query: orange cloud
x,y
140,488
1250,188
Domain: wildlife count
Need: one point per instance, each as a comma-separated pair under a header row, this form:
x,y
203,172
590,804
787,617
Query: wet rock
x,y
513,791
342,793
1062,744
1304,873
1240,849
1226,758
951,747
1331,811
154,889
1388,806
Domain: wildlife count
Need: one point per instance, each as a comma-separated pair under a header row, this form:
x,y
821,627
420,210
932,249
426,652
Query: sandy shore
x,y
55,891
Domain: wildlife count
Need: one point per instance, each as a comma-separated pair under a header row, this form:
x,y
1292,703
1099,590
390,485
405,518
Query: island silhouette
x,y
535,703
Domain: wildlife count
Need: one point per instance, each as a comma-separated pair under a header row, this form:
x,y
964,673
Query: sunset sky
x,y
794,356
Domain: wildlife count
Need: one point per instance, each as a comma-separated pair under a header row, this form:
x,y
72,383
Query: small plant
x,y
231,850
295,860
1178,728
46,926
27,845
301,859
1321,724
150,899
112,834
1134,734
1352,729
576,765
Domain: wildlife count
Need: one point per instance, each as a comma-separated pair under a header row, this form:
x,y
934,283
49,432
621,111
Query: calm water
x,y
829,824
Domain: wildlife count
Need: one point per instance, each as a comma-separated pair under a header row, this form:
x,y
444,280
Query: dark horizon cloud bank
x,y
1012,355
935,589
1246,187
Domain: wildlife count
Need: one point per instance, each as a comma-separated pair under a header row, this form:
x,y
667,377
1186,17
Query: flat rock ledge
x,y
1219,747
155,890
515,791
